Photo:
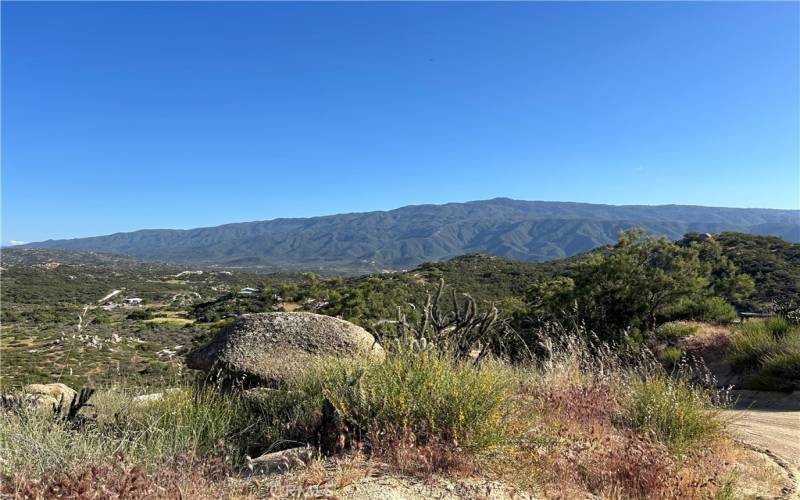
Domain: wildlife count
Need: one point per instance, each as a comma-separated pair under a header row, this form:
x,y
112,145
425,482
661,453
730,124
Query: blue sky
x,y
120,116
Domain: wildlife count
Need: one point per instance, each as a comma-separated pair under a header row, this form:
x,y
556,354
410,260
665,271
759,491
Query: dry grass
x,y
170,321
595,421
118,479
425,393
403,453
582,418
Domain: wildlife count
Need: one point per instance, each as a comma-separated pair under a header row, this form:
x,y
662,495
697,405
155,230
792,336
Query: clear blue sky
x,y
120,116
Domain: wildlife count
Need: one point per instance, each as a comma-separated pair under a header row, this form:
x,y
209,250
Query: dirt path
x,y
770,422
112,294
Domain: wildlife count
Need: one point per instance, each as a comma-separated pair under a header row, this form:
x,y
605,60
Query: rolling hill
x,y
407,236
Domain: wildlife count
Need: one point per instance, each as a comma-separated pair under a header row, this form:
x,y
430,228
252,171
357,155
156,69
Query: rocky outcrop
x,y
266,349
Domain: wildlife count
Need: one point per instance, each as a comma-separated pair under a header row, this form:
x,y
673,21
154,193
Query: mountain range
x,y
404,237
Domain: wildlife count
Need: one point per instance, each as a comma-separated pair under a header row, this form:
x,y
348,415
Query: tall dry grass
x,y
427,393
578,416
616,423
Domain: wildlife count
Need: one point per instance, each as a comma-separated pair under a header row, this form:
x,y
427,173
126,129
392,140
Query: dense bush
x,y
708,309
772,263
183,422
427,393
674,331
670,356
140,315
779,371
751,343
627,289
778,326
716,310
680,415
770,351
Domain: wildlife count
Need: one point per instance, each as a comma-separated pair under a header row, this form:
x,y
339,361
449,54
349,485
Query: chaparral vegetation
x,y
555,379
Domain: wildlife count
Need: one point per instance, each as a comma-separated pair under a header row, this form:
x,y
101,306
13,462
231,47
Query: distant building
x,y
133,301
248,291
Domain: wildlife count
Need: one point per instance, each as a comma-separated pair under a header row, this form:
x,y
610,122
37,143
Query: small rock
x,y
148,398
281,461
156,396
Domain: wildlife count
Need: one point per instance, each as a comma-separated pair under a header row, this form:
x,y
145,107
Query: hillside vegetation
x,y
45,291
562,427
554,379
408,236
773,263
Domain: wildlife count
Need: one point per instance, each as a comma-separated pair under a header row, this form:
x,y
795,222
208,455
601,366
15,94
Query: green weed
x,y
670,356
427,393
751,343
675,330
676,413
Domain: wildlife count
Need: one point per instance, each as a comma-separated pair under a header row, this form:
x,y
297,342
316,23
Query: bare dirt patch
x,y
770,420
711,344
759,476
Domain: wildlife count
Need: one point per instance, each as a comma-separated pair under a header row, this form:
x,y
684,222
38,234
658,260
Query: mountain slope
x,y
523,230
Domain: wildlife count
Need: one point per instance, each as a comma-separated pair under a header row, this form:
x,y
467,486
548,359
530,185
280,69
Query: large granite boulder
x,y
268,348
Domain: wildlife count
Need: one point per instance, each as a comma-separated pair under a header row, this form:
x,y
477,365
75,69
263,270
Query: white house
x,y
248,291
133,301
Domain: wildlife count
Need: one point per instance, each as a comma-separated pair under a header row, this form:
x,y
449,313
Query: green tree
x,y
726,280
622,291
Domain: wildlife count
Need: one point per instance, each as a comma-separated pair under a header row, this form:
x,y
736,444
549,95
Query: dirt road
x,y
770,421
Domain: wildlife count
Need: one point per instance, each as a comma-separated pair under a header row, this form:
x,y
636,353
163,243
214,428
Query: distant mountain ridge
x,y
407,236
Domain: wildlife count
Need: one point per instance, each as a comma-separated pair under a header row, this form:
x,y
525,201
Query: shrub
x,y
587,396
750,344
140,315
778,326
117,479
716,310
183,423
675,412
291,414
675,331
426,392
772,349
102,317
34,443
710,309
779,371
670,356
